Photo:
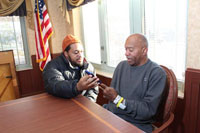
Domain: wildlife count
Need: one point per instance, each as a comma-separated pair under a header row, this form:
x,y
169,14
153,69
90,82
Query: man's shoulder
x,y
156,68
153,64
122,63
56,62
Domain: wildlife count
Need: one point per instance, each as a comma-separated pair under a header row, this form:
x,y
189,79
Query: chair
x,y
165,115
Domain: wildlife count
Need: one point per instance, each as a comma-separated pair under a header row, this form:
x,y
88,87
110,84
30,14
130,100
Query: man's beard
x,y
74,63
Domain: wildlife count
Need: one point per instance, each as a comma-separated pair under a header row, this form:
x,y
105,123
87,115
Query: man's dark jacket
x,y
60,78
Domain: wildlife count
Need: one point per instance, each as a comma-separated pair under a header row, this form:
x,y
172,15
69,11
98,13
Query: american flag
x,y
43,31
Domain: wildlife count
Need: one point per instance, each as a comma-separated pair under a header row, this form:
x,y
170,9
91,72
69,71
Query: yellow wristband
x,y
120,102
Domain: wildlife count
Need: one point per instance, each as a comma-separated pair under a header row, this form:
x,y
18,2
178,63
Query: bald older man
x,y
137,85
65,75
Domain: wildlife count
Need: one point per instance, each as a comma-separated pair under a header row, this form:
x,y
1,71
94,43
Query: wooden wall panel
x,y
177,125
192,97
30,81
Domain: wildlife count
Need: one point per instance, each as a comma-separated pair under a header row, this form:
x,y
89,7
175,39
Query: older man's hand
x,y
108,92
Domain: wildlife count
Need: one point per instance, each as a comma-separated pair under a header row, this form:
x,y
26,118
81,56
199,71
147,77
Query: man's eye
x,y
131,50
76,52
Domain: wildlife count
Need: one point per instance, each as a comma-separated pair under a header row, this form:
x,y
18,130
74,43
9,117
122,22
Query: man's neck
x,y
144,61
73,66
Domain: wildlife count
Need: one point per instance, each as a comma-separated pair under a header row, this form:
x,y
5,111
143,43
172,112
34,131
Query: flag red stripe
x,y
47,34
44,62
42,25
47,22
45,13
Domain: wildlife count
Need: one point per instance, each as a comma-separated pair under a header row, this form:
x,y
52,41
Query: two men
x,y
65,75
136,88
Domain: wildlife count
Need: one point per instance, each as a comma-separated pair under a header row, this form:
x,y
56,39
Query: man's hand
x,y
87,82
108,92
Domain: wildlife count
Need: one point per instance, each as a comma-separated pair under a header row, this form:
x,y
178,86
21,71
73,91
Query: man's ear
x,y
145,50
65,54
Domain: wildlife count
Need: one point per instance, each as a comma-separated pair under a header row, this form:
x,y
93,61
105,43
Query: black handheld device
x,y
89,73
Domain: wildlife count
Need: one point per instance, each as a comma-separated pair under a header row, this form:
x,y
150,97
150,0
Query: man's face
x,y
75,54
135,52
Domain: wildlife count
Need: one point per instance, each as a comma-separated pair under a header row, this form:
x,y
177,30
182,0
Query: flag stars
x,y
40,5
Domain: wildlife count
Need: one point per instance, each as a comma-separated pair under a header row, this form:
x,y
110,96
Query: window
x,y
118,28
92,38
13,37
165,29
107,24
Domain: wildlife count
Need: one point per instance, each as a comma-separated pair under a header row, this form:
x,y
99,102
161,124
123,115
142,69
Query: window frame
x,y
27,64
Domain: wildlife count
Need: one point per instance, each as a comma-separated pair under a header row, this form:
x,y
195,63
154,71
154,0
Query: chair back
x,y
168,103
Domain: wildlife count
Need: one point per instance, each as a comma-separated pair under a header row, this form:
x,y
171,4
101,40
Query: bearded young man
x,y
65,75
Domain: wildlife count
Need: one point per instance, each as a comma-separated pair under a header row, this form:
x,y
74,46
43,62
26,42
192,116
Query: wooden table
x,y
46,113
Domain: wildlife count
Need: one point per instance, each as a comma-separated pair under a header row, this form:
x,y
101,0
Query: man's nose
x,y
80,54
126,53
